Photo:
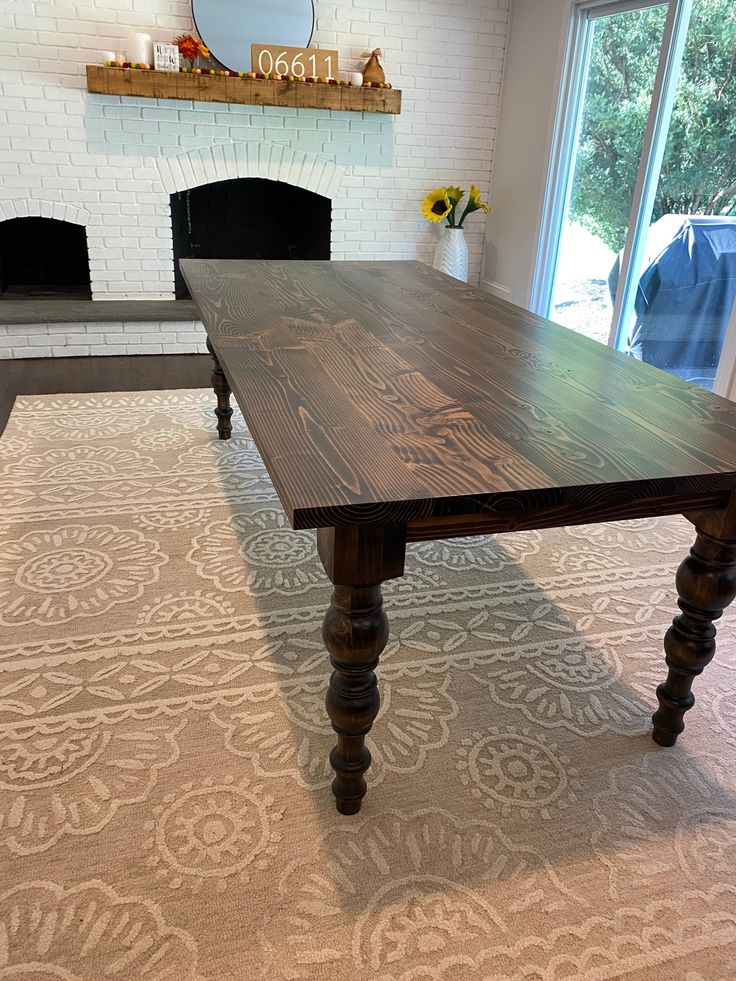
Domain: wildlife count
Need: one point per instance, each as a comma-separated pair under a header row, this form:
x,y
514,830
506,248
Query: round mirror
x,y
229,27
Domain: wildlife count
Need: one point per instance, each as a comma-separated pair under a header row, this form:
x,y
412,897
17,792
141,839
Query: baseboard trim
x,y
495,289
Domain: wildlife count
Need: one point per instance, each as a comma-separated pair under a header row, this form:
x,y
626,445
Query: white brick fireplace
x,y
110,163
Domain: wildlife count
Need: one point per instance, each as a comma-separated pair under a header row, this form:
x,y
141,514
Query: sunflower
x,y
475,200
454,194
437,205
474,204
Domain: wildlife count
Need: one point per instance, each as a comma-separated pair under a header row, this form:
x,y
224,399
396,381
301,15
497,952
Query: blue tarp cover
x,y
686,292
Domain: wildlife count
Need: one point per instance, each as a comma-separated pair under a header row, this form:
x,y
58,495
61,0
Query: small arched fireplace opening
x,y
43,258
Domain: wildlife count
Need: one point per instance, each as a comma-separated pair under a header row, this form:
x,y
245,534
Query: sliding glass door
x,y
621,67
638,245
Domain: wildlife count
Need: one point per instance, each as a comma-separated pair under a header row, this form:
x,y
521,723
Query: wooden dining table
x,y
393,404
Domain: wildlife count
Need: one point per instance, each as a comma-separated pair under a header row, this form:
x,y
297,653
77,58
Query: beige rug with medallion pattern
x,y
164,796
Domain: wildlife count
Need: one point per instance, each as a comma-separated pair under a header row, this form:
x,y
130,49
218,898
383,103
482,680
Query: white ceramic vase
x,y
451,254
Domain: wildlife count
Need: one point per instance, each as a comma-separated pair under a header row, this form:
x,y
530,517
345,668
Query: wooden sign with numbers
x,y
317,62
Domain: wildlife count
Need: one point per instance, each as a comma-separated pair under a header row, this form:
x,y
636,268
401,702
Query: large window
x,y
639,241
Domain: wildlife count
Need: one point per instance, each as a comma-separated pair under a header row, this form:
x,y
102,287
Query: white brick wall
x,y
111,163
72,340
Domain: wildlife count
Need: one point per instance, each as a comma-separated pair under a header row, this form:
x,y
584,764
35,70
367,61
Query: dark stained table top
x,y
388,392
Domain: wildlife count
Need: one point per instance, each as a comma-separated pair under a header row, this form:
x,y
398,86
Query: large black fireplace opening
x,y
43,257
248,218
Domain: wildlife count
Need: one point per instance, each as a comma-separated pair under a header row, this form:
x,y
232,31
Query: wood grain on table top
x,y
388,392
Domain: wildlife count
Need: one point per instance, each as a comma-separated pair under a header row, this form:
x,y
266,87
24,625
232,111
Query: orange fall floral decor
x,y
190,47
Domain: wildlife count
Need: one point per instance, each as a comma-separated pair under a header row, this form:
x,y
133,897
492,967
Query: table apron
x,y
560,515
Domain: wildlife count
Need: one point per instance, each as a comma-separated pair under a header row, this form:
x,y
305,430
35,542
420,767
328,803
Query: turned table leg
x,y
223,392
706,584
355,630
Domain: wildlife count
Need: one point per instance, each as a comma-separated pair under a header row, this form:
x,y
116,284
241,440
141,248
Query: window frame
x,y
566,133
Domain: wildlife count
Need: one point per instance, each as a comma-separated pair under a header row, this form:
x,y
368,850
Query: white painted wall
x,y
102,156
532,72
725,380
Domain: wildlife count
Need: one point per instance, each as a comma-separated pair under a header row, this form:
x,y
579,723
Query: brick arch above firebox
x,y
225,161
36,208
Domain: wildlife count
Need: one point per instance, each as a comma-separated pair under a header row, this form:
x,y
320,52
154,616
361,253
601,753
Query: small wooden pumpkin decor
x,y
373,72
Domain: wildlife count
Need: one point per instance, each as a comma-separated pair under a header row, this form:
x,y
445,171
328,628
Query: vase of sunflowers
x,y
451,254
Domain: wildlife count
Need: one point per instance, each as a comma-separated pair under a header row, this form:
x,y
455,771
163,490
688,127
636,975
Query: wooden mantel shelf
x,y
248,91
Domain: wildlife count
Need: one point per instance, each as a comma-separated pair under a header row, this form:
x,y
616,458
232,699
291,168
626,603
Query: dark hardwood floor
x,y
53,376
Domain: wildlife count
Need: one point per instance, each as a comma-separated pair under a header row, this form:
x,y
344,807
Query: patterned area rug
x,y
164,795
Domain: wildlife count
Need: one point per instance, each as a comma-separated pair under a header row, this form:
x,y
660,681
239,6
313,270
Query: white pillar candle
x,y
108,56
140,49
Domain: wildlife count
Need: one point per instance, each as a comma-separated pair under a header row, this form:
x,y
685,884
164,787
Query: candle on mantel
x,y
140,48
